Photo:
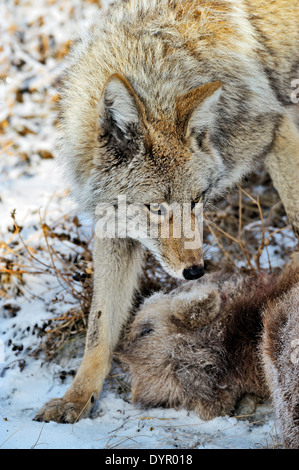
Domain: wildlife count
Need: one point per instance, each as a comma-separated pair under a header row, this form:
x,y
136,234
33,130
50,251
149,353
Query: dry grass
x,y
72,271
242,249
244,226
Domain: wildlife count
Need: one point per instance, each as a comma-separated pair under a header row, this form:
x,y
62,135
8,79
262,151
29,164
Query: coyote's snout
x,y
171,102
173,233
179,245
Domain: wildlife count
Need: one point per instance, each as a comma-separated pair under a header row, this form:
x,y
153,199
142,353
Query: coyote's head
x,y
160,162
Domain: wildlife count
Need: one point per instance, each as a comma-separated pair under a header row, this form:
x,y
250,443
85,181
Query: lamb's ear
x,y
197,310
195,109
121,113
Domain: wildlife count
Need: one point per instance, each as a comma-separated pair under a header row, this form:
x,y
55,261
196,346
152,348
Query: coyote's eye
x,y
194,202
157,209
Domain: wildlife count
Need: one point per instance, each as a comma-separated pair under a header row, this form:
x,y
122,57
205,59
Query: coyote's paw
x,y
62,411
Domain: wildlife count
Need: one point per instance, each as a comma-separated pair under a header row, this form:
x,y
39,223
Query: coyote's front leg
x,y
283,166
117,264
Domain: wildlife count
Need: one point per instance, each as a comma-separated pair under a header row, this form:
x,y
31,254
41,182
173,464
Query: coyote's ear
x,y
121,113
196,311
195,108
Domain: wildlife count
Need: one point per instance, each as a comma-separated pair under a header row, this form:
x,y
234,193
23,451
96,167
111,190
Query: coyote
x,y
171,101
205,344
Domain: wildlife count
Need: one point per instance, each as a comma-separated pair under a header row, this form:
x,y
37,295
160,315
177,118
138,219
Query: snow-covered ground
x,y
29,184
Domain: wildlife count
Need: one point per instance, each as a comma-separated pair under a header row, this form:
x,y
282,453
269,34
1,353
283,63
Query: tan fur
x,y
206,344
143,115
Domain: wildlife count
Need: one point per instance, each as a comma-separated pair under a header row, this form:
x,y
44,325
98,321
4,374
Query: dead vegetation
x,y
244,226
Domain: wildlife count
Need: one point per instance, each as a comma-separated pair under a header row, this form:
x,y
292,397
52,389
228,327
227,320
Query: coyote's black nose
x,y
195,272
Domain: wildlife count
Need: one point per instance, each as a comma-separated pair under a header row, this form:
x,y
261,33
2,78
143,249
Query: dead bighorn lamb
x,y
210,341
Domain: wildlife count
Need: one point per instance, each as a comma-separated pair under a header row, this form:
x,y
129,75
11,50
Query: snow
x,y
30,185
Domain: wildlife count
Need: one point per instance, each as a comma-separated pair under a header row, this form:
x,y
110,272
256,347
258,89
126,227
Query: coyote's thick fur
x,y
171,101
207,343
